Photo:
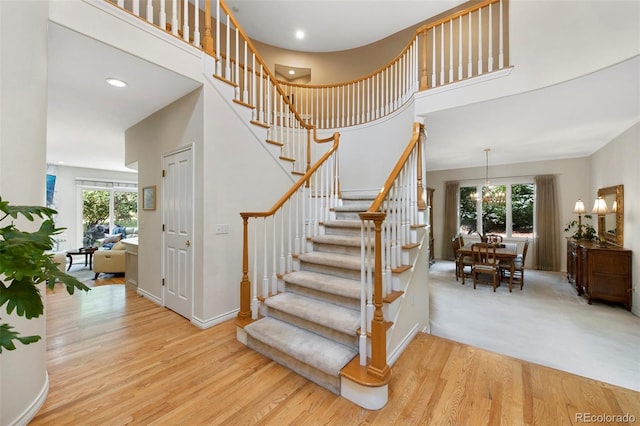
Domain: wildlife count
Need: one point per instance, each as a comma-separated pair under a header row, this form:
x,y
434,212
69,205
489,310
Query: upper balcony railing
x,y
468,43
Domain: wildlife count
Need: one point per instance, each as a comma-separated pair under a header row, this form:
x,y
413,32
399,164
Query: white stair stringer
x,y
410,312
226,92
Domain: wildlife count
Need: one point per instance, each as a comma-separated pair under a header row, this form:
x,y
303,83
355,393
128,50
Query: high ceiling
x,y
87,118
329,25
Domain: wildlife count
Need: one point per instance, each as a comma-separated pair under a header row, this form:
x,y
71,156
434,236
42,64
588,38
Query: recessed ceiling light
x,y
60,162
292,72
115,82
299,34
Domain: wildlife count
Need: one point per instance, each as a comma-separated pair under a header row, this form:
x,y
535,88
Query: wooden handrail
x,y
469,9
384,191
336,141
274,80
417,33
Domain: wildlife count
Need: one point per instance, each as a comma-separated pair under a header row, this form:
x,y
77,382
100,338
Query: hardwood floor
x,y
116,358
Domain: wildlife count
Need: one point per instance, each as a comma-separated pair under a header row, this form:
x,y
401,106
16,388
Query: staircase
x,y
312,327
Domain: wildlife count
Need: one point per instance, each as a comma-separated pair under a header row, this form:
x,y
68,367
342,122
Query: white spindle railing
x,y
447,44
386,231
280,234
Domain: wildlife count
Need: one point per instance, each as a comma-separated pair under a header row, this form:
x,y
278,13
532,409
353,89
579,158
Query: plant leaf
x,y
23,297
7,336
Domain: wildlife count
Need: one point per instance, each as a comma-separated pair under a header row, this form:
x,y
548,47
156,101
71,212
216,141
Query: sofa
x,y
60,257
119,233
111,261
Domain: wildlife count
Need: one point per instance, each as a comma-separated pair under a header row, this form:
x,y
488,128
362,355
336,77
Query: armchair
x,y
112,261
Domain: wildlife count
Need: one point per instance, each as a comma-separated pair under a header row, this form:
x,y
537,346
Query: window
x,y
106,205
503,209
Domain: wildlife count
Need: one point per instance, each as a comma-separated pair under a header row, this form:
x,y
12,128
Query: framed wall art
x,y
149,198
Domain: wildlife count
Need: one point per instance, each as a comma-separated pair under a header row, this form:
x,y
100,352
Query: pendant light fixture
x,y
489,194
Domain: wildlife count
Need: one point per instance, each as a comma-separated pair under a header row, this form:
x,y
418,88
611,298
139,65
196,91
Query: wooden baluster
x,y
236,77
283,258
150,11
185,21
265,96
460,47
424,73
470,58
136,7
245,78
442,54
364,243
218,55
422,204
255,303
434,82
196,23
227,67
490,44
479,41
501,39
163,16
450,51
274,254
289,265
265,276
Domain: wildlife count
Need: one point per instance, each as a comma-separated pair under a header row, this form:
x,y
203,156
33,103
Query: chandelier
x,y
489,194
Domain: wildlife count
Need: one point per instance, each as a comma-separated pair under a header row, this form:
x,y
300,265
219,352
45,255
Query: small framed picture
x,y
149,198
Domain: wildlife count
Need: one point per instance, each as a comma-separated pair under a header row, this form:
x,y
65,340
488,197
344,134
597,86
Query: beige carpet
x,y
546,323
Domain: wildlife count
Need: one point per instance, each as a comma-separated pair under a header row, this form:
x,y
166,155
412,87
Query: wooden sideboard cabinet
x,y
602,273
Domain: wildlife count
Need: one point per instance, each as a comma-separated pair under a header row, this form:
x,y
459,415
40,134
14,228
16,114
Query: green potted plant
x,y
581,231
25,262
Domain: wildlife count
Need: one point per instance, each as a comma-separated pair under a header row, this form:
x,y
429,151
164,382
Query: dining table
x,y
505,252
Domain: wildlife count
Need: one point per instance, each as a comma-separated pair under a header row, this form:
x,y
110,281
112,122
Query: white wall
x,y
617,164
233,173
369,152
569,38
23,113
67,199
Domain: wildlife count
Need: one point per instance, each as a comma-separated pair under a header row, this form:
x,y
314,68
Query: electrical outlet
x,y
222,229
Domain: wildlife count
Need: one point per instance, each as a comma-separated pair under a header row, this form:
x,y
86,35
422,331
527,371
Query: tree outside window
x,y
104,209
503,209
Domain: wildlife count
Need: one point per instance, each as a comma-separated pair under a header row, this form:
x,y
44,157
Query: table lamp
x,y
600,208
579,210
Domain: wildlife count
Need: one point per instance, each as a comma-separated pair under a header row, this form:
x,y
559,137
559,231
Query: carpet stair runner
x,y
312,327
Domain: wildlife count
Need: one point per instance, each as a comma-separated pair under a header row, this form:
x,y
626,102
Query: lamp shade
x,y
579,207
600,207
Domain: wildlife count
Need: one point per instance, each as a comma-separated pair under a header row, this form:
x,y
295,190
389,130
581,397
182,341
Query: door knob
x,y
188,243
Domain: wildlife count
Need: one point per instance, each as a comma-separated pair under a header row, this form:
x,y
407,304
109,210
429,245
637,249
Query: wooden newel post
x,y
424,81
378,366
245,284
207,42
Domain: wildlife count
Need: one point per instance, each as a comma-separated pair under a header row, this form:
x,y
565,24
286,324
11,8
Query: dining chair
x,y
518,267
494,238
484,264
461,262
455,245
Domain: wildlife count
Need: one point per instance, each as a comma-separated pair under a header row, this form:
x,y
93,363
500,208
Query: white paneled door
x,y
178,225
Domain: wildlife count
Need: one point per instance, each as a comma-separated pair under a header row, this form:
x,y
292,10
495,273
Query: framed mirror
x,y
611,225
